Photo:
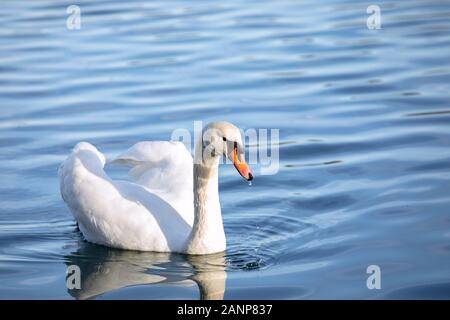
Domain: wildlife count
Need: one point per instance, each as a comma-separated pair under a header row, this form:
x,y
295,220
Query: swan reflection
x,y
104,270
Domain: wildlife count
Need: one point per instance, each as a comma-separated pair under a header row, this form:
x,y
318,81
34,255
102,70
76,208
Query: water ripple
x,y
364,141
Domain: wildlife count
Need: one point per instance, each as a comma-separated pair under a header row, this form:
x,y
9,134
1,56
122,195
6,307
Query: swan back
x,y
120,214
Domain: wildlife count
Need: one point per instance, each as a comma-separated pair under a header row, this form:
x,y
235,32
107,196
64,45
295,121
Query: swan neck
x,y
207,235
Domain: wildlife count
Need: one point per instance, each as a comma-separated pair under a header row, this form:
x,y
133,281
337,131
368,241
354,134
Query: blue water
x,y
364,120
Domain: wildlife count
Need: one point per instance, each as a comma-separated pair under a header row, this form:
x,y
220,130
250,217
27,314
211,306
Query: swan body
x,y
171,203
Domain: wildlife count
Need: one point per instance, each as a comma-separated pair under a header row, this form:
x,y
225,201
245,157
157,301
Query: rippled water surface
x,y
364,120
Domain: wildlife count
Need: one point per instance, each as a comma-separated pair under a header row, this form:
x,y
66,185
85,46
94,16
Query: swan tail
x,y
79,176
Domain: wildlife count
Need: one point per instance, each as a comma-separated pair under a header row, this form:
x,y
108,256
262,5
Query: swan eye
x,y
224,139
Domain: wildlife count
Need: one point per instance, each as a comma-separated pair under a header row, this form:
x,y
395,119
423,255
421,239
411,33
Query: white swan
x,y
171,204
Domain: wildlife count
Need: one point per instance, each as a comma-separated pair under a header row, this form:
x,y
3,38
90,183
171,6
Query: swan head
x,y
224,138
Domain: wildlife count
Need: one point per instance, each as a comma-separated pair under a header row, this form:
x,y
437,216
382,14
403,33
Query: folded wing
x,y
166,169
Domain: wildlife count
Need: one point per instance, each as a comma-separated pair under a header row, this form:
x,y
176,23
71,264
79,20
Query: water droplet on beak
x,y
249,183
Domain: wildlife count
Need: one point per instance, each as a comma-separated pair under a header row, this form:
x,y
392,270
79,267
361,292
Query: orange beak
x,y
241,166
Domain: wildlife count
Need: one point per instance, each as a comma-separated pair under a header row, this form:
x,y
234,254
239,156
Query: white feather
x,y
154,213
